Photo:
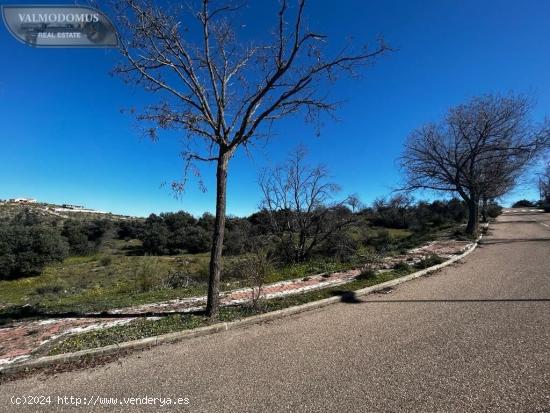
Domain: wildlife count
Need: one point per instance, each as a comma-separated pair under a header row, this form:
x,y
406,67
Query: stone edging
x,y
203,331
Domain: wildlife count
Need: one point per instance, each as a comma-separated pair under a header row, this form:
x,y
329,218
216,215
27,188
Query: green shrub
x,y
173,233
493,210
129,229
523,203
340,246
147,277
106,260
400,212
54,289
402,267
381,241
197,240
155,239
25,250
177,279
429,262
86,237
144,283
366,274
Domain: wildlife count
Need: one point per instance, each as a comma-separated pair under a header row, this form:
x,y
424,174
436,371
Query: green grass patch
x,y
398,234
308,269
101,281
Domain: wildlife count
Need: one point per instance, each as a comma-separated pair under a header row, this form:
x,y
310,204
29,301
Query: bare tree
x,y
479,150
354,203
255,268
222,92
298,198
498,177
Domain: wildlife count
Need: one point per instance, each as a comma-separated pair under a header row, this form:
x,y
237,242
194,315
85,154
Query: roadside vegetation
x,y
112,263
178,322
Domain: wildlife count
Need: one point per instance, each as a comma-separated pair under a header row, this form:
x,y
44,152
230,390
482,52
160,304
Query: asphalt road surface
x,y
473,337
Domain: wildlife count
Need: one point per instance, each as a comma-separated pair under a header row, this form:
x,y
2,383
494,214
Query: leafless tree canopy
x,y
300,201
219,88
479,150
224,92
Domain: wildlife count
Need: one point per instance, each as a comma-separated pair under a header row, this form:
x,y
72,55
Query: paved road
x,y
473,337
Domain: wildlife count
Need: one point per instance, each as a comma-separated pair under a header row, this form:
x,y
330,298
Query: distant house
x,y
69,206
23,200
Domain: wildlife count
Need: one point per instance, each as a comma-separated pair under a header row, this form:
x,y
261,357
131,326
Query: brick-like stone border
x,y
203,331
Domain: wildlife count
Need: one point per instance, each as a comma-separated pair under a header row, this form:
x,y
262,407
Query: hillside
x,y
10,209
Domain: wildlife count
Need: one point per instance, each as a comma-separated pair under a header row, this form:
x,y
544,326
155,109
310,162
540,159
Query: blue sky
x,y
63,138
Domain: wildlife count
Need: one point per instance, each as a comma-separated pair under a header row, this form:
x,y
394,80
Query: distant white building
x,y
69,206
23,200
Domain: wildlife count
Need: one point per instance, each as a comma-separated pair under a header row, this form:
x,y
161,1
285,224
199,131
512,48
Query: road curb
x,y
203,331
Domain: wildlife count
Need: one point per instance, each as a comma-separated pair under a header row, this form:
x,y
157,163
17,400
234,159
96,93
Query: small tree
x,y
296,197
222,92
254,269
478,151
371,262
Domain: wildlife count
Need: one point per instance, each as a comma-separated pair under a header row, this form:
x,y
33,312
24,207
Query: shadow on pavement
x,y
347,297
511,214
510,240
466,300
514,221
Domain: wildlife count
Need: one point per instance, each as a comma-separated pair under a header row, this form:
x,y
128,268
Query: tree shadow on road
x,y
492,241
465,300
514,221
537,213
351,298
347,297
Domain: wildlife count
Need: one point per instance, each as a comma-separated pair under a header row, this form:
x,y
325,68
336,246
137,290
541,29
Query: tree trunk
x,y
473,217
213,300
